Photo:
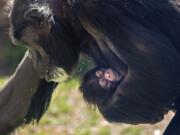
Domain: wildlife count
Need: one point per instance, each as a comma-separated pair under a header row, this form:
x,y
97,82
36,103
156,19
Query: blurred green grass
x,y
10,55
68,114
3,79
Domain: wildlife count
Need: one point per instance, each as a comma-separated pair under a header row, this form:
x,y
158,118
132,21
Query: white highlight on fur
x,y
42,8
157,132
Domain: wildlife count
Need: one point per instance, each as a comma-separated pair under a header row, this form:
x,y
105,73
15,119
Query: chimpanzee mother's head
x,y
43,26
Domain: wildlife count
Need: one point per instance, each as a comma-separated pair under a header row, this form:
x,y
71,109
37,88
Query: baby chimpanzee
x,y
99,84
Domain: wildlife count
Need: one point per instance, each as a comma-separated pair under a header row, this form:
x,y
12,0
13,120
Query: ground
x,y
70,115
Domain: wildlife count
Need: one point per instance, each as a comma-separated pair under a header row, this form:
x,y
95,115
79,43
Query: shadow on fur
x,y
40,101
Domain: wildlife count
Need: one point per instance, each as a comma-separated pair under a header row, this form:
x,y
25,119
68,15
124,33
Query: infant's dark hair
x,y
92,92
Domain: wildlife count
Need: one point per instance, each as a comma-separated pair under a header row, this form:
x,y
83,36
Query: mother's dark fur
x,y
139,38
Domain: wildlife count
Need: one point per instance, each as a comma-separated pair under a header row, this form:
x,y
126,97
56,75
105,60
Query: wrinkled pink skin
x,y
106,77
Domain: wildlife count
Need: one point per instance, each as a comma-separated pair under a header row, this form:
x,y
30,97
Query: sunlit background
x,y
68,114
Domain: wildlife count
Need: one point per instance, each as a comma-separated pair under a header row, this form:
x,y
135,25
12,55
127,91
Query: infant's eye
x,y
111,75
99,73
107,75
104,83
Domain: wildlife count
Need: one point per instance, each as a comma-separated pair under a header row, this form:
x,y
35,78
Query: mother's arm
x,y
16,95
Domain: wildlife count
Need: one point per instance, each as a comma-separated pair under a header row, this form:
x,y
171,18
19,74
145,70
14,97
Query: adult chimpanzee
x,y
138,39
